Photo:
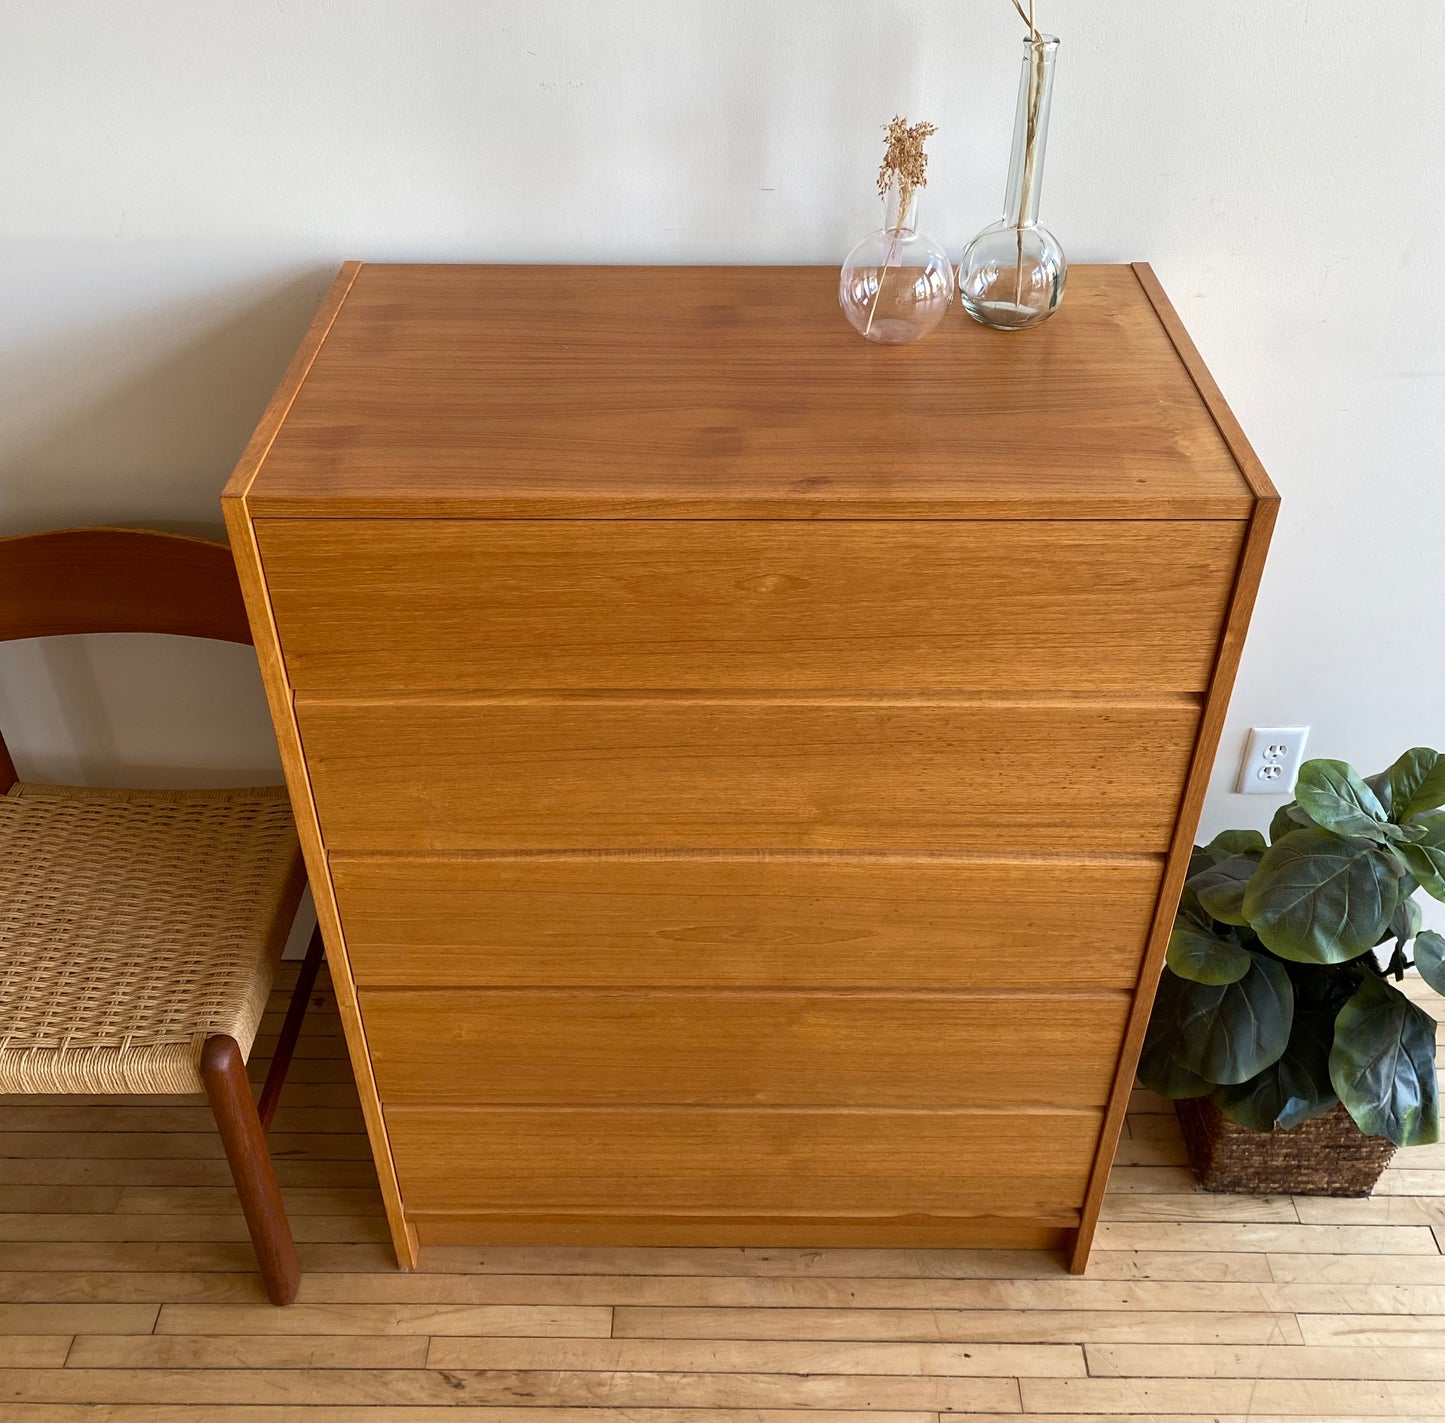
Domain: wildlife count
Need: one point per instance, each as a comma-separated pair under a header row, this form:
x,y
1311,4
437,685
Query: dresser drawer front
x,y
589,921
520,1046
453,605
461,1160
746,775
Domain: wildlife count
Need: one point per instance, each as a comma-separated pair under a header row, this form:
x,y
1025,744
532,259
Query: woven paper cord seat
x,y
135,924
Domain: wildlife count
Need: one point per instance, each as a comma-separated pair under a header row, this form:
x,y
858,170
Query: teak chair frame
x,y
103,580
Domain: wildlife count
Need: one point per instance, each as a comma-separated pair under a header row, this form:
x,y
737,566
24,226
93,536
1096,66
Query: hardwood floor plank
x,y
178,1146
533,1321
1155,1126
1137,1264
320,1413
1135,1180
543,1389
1306,1239
1404,1182
1369,1269
1176,1264
1387,1210
35,1351
80,1171
245,1351
1135,1152
82,1200
306,1228
967,1326
1215,1417
354,1203
761,1356
183,1255
1334,1361
1204,1206
929,1297
128,1287
76,1319
771,1292
1315,1399
1388,1331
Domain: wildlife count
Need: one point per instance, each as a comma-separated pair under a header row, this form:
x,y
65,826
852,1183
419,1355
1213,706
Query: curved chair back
x,y
116,580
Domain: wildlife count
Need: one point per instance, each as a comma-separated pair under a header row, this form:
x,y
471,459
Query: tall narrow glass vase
x,y
1012,274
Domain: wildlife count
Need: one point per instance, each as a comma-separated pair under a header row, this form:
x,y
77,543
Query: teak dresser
x,y
746,774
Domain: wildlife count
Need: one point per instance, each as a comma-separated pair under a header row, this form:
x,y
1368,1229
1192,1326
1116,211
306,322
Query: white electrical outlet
x,y
1271,760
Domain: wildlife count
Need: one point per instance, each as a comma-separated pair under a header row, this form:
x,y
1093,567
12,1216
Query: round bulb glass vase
x,y
1012,274
897,284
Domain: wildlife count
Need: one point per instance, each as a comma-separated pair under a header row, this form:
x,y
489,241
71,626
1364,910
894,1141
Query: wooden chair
x,y
140,930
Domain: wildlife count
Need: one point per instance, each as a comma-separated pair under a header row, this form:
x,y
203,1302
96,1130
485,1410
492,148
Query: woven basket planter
x,y
1326,1156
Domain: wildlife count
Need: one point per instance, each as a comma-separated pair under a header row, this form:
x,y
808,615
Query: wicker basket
x,y
1326,1156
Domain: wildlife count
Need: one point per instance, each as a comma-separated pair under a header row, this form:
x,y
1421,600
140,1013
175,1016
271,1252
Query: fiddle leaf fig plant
x,y
1277,999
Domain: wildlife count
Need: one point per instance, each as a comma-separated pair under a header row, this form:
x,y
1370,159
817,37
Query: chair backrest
x,y
116,580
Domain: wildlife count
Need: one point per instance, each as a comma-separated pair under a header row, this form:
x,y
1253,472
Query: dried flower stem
x,y
1031,136
904,163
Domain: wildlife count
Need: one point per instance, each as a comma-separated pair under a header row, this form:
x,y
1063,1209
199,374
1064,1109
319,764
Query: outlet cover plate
x,y
1272,759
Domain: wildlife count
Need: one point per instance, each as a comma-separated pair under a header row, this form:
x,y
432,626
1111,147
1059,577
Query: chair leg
x,y
223,1071
290,1030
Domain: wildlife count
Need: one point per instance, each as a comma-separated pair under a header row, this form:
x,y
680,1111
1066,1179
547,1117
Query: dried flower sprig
x,y
904,161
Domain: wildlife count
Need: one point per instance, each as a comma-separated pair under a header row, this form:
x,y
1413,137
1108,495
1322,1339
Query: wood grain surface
x,y
523,392
727,921
698,1048
731,774
742,1162
446,605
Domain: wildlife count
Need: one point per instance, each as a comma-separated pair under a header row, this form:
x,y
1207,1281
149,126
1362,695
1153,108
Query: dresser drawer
x,y
445,605
462,1160
590,921
741,774
676,1048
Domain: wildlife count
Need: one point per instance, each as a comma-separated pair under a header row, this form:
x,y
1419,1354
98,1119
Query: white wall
x,y
179,179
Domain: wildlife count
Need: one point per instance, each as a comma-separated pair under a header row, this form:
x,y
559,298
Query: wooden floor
x,y
127,1292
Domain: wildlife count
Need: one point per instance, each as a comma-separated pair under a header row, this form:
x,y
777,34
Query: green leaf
x,y
1317,898
1417,783
1405,922
1202,957
1383,1065
1335,798
1292,1089
1229,1032
1229,843
1286,819
1430,959
1220,888
1426,858
1159,1068
1380,784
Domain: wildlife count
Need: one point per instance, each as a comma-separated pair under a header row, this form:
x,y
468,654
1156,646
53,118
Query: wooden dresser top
x,y
735,392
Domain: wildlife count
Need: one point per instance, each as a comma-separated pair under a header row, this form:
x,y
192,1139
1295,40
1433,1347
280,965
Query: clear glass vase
x,y
896,284
1012,274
